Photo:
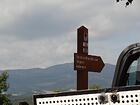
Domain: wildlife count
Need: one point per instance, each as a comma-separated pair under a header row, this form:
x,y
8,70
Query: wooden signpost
x,y
84,62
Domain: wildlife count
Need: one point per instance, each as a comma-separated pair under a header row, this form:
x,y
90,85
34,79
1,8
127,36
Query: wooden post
x,y
83,62
82,48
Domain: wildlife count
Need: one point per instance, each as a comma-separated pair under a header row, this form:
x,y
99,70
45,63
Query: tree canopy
x,y
4,100
127,3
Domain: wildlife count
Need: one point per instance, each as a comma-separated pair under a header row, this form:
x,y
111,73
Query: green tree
x,y
127,3
4,100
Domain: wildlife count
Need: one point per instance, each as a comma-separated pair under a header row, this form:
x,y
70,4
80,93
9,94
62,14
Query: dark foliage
x,y
4,100
127,3
23,103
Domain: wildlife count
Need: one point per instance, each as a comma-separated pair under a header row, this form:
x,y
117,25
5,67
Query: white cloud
x,y
35,53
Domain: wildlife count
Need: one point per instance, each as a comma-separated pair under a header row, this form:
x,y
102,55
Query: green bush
x,y
4,100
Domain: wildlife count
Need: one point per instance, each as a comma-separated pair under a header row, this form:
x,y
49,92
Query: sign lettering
x,y
88,62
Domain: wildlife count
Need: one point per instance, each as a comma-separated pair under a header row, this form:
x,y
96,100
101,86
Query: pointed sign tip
x,y
82,27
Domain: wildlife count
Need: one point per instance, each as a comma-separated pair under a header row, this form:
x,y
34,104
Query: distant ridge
x,y
57,77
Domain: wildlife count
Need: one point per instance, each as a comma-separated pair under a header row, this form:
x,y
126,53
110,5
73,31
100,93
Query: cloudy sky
x,y
41,33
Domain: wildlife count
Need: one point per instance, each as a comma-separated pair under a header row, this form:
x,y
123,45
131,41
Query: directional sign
x,y
84,62
88,62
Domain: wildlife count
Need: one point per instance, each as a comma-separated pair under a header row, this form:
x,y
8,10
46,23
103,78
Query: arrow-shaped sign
x,y
88,62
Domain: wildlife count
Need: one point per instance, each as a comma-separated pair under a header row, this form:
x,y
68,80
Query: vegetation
x,y
95,87
29,100
59,90
127,3
4,100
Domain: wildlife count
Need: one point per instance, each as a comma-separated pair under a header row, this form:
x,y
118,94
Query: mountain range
x,y
57,77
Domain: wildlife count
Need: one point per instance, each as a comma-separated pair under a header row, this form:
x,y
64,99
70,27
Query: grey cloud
x,y
45,24
41,22
55,20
